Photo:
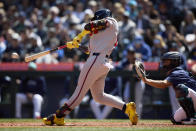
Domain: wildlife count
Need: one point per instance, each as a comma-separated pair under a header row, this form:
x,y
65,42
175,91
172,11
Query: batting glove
x,y
76,41
70,45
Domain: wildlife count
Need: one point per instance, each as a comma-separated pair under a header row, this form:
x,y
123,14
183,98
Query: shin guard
x,y
185,102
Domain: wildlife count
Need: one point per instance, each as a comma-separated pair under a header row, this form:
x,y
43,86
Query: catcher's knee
x,y
185,102
175,122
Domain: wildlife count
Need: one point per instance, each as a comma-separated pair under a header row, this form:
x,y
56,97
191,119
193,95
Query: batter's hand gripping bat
x,y
43,53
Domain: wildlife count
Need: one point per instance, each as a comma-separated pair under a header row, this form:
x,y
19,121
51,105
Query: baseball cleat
x,y
131,112
191,121
52,119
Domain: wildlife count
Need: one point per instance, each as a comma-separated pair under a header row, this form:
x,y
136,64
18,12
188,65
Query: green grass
x,y
96,129
64,128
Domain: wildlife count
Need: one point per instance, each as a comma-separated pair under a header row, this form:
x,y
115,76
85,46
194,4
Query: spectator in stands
x,y
190,40
20,22
158,49
53,16
168,28
93,5
126,29
42,30
152,13
142,22
185,4
192,54
188,25
12,46
135,84
171,35
26,6
79,11
33,46
32,90
141,48
164,9
133,9
2,46
193,70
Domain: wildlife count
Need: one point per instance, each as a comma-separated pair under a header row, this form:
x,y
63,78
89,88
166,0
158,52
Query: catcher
x,y
182,82
103,39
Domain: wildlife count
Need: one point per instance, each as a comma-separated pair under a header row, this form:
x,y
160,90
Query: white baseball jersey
x,y
104,41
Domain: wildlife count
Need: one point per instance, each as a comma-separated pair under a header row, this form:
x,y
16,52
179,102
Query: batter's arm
x,y
157,83
96,25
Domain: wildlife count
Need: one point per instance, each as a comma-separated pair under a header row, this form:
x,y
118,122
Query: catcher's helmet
x,y
175,60
102,13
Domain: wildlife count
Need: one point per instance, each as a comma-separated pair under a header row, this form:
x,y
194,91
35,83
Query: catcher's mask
x,y
170,60
102,13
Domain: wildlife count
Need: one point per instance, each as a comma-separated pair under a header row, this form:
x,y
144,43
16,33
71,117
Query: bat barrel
x,y
35,56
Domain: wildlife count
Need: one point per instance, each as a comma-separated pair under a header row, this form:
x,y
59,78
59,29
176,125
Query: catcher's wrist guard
x,y
95,26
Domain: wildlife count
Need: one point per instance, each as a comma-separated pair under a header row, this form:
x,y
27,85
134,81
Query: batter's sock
x,y
124,108
61,111
59,114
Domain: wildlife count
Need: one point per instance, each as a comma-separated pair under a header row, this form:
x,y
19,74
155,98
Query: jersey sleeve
x,y
172,79
113,24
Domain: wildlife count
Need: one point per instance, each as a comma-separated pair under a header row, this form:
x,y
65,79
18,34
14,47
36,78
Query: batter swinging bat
x,y
79,36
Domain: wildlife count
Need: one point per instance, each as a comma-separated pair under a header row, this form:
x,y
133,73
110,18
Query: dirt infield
x,y
94,124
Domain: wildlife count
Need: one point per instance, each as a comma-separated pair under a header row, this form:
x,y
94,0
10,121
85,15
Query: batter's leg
x,y
97,91
88,76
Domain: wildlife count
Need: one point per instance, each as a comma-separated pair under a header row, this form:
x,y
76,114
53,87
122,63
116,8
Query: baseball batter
x,y
104,31
183,84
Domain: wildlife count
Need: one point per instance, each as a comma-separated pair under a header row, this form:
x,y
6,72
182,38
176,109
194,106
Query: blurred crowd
x,y
150,27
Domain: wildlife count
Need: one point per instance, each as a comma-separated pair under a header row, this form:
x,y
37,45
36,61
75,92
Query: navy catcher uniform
x,y
183,84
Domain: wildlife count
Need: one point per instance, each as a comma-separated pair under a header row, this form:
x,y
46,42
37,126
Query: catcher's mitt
x,y
139,67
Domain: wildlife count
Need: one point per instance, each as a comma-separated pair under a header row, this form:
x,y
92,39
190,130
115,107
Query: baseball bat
x,y
43,53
